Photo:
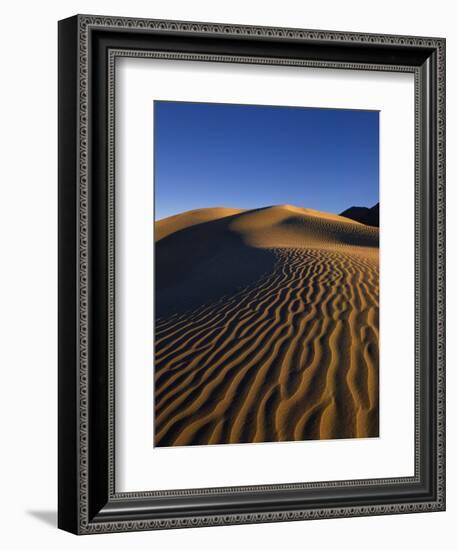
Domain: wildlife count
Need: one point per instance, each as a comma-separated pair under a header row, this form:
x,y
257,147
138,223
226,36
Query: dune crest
x,y
284,226
267,327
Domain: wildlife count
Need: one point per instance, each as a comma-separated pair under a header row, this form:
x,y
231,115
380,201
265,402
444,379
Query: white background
x,y
28,303
140,466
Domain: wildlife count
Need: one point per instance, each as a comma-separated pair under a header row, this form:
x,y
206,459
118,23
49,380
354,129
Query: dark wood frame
x,y
88,46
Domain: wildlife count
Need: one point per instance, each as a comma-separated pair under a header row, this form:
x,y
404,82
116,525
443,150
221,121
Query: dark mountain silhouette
x,y
362,214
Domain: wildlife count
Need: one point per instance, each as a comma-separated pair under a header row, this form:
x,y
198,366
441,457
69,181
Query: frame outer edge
x,y
83,270
68,311
441,274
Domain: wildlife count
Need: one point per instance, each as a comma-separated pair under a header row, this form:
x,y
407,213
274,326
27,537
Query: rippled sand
x,y
267,327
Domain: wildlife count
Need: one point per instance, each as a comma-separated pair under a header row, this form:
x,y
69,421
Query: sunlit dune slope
x,y
266,327
275,226
289,226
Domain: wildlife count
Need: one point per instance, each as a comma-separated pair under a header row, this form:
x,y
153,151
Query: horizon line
x,y
283,205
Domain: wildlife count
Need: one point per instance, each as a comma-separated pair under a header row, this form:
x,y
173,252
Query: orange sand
x,y
266,327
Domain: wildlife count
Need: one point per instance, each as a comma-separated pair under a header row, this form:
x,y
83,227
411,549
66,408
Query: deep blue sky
x,y
249,156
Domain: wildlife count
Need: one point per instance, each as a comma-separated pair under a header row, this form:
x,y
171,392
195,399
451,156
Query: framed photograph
x,y
251,274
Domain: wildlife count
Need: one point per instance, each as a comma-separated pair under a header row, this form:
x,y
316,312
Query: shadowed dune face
x,y
204,262
266,327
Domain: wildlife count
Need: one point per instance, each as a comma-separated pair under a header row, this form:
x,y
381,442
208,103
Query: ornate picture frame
x,y
88,48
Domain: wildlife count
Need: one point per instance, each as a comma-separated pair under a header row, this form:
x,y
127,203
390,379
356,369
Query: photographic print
x,y
266,273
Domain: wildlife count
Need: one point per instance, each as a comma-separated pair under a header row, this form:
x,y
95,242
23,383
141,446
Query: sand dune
x,y
165,227
266,327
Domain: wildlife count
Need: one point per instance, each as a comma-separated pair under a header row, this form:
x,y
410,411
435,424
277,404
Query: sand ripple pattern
x,y
292,356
